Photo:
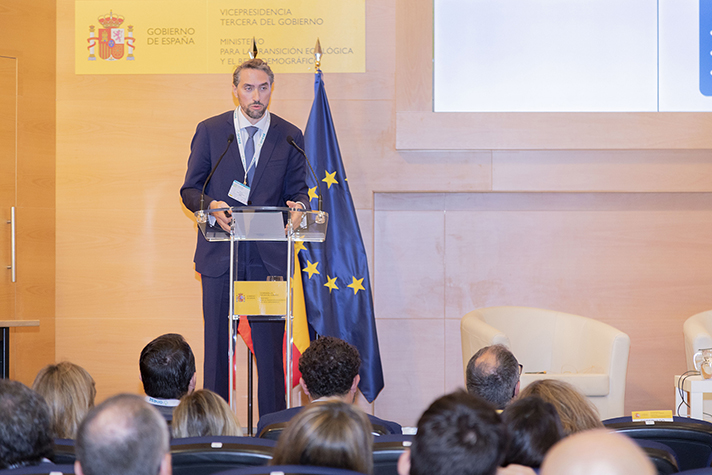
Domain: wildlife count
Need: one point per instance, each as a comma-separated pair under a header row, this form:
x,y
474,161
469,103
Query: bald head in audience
x,y
123,436
597,452
493,374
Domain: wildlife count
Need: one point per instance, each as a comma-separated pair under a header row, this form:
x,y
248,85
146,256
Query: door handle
x,y
13,253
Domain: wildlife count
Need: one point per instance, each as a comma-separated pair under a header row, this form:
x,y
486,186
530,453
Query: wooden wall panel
x,y
638,261
615,170
27,32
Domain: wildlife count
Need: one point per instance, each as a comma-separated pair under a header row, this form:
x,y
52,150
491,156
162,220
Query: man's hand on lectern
x,y
295,216
224,218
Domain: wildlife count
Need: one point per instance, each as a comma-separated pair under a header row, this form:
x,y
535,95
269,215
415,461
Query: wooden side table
x,y
693,389
5,326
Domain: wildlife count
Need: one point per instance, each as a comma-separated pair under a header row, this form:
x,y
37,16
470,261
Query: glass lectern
x,y
271,299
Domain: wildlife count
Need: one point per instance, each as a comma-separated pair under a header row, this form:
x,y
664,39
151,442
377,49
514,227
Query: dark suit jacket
x,y
280,176
287,415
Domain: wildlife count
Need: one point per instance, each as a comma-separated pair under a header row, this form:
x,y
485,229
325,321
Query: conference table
x,y
5,326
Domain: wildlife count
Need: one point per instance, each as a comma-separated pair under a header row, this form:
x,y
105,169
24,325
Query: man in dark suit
x,y
329,370
259,169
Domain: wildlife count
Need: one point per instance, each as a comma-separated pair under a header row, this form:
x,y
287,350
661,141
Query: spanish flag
x,y
300,330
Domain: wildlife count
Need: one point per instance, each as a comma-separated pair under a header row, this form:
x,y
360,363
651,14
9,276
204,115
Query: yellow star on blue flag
x,y
312,194
356,285
311,269
331,283
329,179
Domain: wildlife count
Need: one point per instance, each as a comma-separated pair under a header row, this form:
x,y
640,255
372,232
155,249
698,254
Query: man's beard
x,y
254,114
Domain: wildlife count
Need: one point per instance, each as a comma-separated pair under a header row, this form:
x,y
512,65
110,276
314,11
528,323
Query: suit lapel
x,y
266,152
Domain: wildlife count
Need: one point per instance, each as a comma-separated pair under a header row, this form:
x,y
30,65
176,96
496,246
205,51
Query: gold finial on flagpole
x,y
253,53
317,55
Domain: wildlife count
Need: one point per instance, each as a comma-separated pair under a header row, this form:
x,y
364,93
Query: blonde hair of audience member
x,y
204,413
69,391
575,411
327,434
597,452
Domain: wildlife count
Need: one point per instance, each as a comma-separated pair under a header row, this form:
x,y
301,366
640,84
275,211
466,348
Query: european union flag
x,y
337,289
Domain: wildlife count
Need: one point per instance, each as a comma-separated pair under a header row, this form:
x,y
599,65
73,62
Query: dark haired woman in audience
x,y
534,427
327,434
204,413
575,411
69,392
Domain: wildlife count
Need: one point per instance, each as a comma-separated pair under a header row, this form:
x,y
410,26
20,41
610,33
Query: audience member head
x,y
203,413
597,452
330,368
459,434
25,436
121,436
575,411
69,392
167,367
534,427
256,63
327,434
493,374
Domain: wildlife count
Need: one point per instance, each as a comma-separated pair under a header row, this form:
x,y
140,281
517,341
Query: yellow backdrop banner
x,y
214,36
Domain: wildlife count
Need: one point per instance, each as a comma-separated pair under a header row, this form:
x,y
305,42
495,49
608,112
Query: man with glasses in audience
x,y
493,374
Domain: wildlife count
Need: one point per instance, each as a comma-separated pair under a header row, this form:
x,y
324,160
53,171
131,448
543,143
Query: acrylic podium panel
x,y
257,223
261,223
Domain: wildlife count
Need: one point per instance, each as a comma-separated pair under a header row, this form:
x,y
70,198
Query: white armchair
x,y
589,354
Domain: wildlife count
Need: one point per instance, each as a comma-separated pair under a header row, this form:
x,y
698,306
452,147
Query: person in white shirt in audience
x,y
167,366
124,435
493,374
597,452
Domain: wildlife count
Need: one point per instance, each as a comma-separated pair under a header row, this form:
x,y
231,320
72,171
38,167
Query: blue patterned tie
x,y
250,152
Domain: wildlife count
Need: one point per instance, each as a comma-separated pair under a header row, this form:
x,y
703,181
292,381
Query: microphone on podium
x,y
320,219
202,215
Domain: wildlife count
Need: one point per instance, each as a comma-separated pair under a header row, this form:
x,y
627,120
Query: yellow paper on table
x,y
655,416
261,298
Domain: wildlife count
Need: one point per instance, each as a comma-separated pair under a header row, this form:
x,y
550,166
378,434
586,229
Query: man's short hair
x,y
25,435
329,367
493,383
256,63
167,366
122,435
458,434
